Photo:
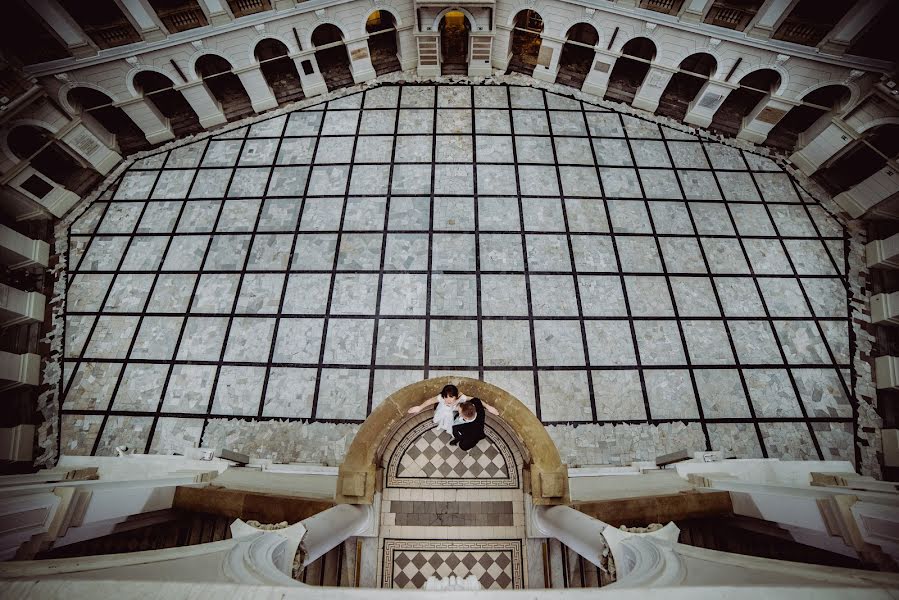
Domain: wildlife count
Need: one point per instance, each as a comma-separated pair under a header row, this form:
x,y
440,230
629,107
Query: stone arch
x,y
854,91
713,52
745,70
4,135
537,7
254,43
307,41
879,122
357,475
65,91
563,33
471,20
134,72
192,62
384,8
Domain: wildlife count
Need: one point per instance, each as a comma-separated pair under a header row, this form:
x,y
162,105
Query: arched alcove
x,y
382,42
754,88
225,86
577,55
50,158
454,29
161,92
524,43
279,70
358,473
331,55
630,69
816,105
694,71
88,101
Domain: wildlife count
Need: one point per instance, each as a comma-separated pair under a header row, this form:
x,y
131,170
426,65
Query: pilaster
x,y
360,61
866,195
597,79
142,17
769,16
18,251
156,127
310,77
548,60
261,96
851,26
708,100
64,26
654,84
216,11
208,109
18,307
762,120
695,10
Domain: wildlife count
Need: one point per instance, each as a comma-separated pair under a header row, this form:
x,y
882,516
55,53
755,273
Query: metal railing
x,y
802,31
182,18
241,8
732,17
110,35
669,7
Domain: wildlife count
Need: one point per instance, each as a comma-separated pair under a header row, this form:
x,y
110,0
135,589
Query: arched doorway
x,y
860,160
694,71
225,86
128,136
331,55
815,105
454,28
382,42
754,88
279,70
577,55
37,146
630,69
524,45
159,90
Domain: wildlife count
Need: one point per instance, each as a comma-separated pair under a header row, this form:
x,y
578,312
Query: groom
x,y
468,428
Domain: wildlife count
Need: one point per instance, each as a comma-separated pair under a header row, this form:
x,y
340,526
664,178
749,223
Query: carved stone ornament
x,y
260,28
62,76
376,2
132,60
198,44
782,58
854,74
714,42
650,27
590,12
320,14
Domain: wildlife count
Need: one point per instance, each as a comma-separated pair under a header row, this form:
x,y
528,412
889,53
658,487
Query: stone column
x,y
832,139
18,307
360,61
598,78
885,309
17,370
769,16
18,251
548,60
695,10
313,83
331,527
502,40
155,126
883,254
208,109
651,89
65,27
261,96
708,100
886,372
216,10
86,145
141,14
851,25
578,531
866,195
762,120
408,51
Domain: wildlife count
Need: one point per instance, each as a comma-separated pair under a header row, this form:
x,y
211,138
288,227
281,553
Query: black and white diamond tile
x,y
425,459
408,563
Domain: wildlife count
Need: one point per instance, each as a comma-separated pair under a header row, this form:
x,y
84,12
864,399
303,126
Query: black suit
x,y
469,434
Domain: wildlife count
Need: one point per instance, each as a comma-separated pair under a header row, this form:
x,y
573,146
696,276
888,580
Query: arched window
x,y
815,105
331,56
577,55
683,87
382,42
524,44
754,88
128,136
860,160
159,90
48,157
630,69
279,70
225,86
454,29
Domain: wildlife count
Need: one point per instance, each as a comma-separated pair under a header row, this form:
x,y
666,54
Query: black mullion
x,y
374,337
758,289
92,235
719,304
293,246
121,373
327,315
574,271
667,276
427,350
621,274
524,257
477,236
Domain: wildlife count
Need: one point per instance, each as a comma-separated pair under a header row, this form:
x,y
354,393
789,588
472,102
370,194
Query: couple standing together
x,y
458,415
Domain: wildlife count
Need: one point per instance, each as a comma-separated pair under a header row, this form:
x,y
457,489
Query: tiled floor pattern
x,y
496,563
425,459
602,268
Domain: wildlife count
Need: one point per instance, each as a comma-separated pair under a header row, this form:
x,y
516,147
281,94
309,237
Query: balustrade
x,y
242,8
182,18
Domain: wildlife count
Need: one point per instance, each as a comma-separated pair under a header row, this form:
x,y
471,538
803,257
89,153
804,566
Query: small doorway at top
x,y
454,28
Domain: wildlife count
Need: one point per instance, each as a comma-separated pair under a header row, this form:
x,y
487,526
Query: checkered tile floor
x,y
409,563
424,458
